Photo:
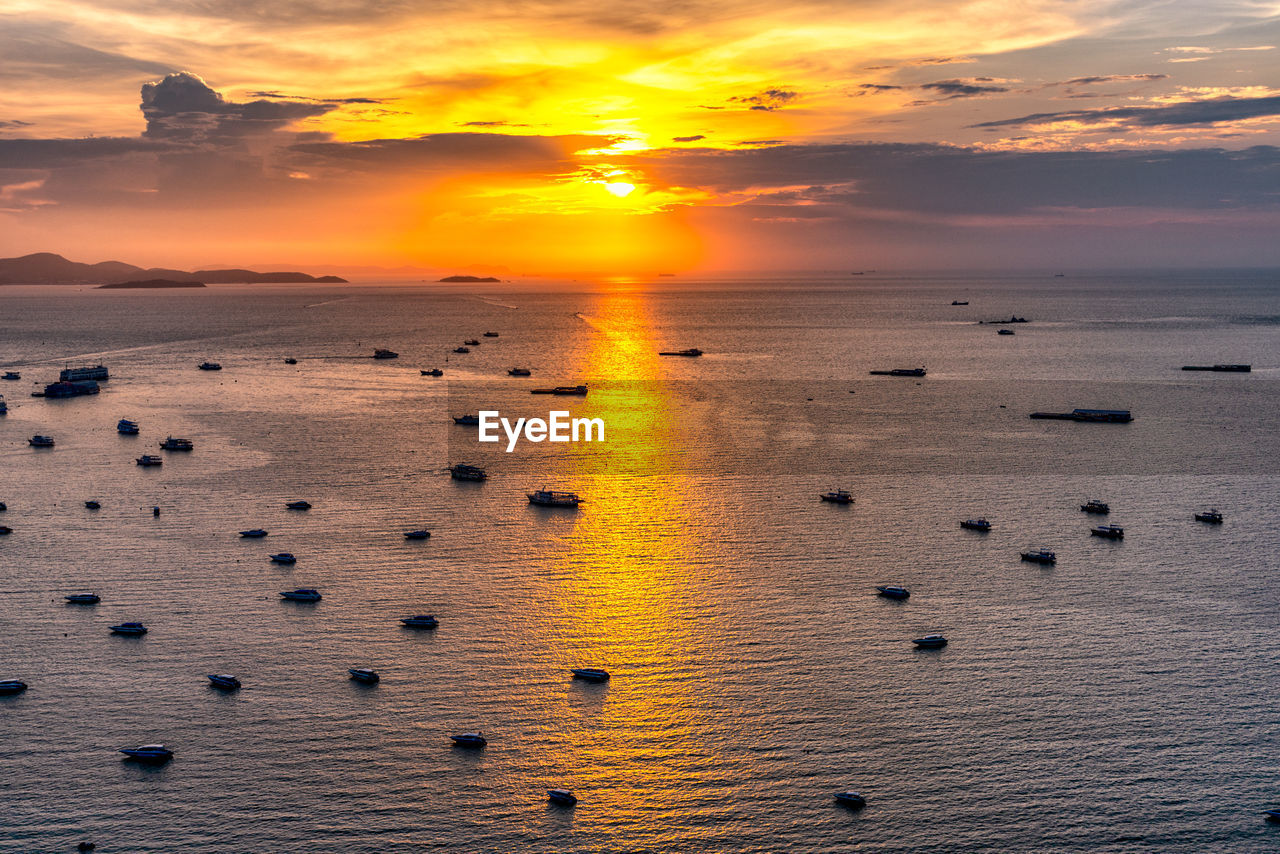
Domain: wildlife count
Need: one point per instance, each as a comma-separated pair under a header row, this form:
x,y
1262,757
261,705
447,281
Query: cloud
x,y
1108,78
963,88
183,107
1183,113
694,138
282,96
768,100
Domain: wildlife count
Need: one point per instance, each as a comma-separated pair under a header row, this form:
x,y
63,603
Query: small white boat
x,y
930,642
469,739
150,460
551,498
590,674
417,535
299,505
83,599
224,681
129,629
850,799
148,753
9,687
420,621
302,594
253,533
283,557
363,674
561,797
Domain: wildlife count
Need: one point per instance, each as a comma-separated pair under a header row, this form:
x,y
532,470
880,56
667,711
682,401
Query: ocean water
x,y
1122,700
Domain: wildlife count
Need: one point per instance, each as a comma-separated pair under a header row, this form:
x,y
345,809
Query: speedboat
x,y
172,444
890,591
590,674
976,525
284,557
155,753
1109,532
930,642
253,533
463,471
561,797
299,505
385,354
38,441
1213,517
302,594
83,599
127,427
1095,507
469,739
692,351
224,681
491,335
466,420
461,350
551,498
210,366
471,342
150,460
11,375
434,372
837,496
417,535
850,799
291,361
12,686
520,372
421,621
363,674
129,629
1039,556
93,505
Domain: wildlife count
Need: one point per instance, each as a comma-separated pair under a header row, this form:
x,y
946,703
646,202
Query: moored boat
x,y
930,642
363,674
420,534
385,354
1004,332
38,441
1222,369
1099,507
466,420
1108,532
976,525
253,533
1213,517
850,799
590,674
284,557
93,505
471,342
127,427
434,372
9,687
579,390
129,629
94,372
692,351
153,753
837,496
83,599
520,372
469,739
302,594
464,471
11,375
290,361
5,529
150,460
419,621
69,389
1097,416
299,505
462,349
210,366
900,372
562,797
552,498
224,681
1039,556
491,335
172,444
892,591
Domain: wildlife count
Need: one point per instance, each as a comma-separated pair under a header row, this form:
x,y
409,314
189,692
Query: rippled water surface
x,y
1123,700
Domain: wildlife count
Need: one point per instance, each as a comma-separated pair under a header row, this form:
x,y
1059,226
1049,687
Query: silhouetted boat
x,y
1004,332
1012,319
900,372
127,427
93,372
1272,816
1227,369
11,375
210,366
385,354
959,302
469,739
1040,556
434,372
850,799
284,557
579,390
520,372
837,496
299,505
150,460
38,441
172,444
471,342
1099,507
420,621
552,498
890,591
461,350
69,389
152,753
83,599
364,674
590,674
9,687
1213,517
291,361
1103,416
976,525
466,420
129,629
930,642
93,505
692,351
417,535
491,335
1108,532
302,594
5,529
463,471
224,681
253,533
561,797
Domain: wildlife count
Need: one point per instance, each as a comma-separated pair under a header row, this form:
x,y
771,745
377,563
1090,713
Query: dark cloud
x,y
282,96
688,138
453,151
7,124
35,50
1109,78
880,87
493,125
182,107
768,100
1177,114
963,88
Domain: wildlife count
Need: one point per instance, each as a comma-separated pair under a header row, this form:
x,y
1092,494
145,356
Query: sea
x,y
1123,699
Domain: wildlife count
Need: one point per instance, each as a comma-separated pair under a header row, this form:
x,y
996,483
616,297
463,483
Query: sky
x,y
554,136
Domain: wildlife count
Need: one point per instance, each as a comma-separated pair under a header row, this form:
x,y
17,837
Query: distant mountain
x,y
46,268
470,279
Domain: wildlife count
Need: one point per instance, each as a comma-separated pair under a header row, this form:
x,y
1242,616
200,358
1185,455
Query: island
x,y
152,283
469,279
46,268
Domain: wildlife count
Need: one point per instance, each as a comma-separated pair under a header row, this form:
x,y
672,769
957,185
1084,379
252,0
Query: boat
x,y
1092,506
692,351
1005,332
976,525
150,460
466,420
210,366
850,799
299,505
1213,517
930,642
4,407
1226,369
1272,816
93,505
9,687
3,506
890,591
1102,416
291,361
1108,532
1012,319
253,533
11,375
1040,556
471,342
153,753
469,739
959,302
95,372
491,335
420,621
520,372
69,389
463,471
5,529
590,674
129,629
434,372
385,354
83,599
224,681
552,498
417,535
363,674
837,496
172,444
580,390
561,797
284,557
900,372
127,427
38,441
461,350
302,594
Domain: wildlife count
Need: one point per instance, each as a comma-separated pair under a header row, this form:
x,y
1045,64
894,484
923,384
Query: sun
x,y
621,189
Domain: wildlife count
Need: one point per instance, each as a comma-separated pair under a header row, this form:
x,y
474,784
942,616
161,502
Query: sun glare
x,y
621,189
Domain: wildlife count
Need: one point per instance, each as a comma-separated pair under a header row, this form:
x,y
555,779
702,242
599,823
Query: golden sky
x,y
561,135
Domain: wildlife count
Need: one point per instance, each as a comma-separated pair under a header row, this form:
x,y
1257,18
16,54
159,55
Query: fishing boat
x,y
11,375
151,753
210,366
466,420
463,471
1098,507
284,557
1213,517
590,674
976,525
561,797
290,361
930,642
491,335
462,349
364,675
419,621
837,496
127,427
253,533
129,629
552,498
93,505
9,687
1108,532
385,354
579,390
38,441
301,594
299,505
520,372
417,535
83,599
469,739
692,351
224,681
471,342
850,799
1039,556
172,444
890,591
434,372
150,460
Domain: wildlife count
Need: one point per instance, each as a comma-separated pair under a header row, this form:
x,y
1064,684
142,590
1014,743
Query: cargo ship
x,y
1106,416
